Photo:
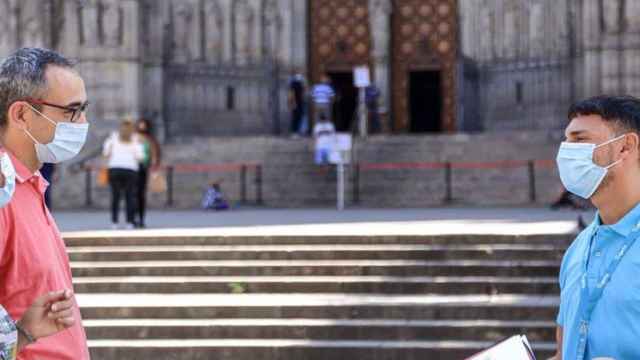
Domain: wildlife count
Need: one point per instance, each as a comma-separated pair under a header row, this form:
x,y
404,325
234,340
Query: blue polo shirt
x,y
614,330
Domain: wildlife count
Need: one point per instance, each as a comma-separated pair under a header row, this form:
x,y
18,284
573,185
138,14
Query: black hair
x,y
622,111
22,75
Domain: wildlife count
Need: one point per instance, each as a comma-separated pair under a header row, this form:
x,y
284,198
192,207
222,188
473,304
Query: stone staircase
x,y
314,297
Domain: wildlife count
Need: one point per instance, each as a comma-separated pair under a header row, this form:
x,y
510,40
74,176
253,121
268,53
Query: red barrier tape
x,y
204,168
200,168
507,164
402,166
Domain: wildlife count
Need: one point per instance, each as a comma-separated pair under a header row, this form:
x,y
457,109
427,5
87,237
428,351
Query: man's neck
x,y
619,202
24,151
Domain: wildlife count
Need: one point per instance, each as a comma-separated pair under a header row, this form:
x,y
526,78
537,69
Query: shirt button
x,y
598,253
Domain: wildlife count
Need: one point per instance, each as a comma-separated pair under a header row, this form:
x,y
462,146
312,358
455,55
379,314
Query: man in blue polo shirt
x,y
600,275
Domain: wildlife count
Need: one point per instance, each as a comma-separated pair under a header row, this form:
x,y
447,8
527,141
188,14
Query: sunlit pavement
x,y
508,221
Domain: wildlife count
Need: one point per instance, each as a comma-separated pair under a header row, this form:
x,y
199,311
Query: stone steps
x,y
313,297
198,237
303,252
318,306
318,268
315,284
319,329
198,349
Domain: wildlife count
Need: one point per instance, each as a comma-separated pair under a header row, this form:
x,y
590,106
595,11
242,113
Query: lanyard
x,y
588,301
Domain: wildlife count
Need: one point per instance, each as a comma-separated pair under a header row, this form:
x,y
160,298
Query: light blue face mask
x,y
6,192
578,173
67,142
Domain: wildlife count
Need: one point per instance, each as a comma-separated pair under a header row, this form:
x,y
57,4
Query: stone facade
x,y
220,67
291,180
531,58
203,67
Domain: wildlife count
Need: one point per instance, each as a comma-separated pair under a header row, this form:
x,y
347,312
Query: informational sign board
x,y
341,149
361,76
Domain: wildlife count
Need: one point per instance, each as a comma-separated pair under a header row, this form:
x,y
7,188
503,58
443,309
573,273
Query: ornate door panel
x,y
424,38
339,35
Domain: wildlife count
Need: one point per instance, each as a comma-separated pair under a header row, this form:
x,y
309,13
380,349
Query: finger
x,y
61,314
49,298
61,305
66,322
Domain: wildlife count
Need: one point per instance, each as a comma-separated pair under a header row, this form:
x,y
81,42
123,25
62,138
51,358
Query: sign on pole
x,y
340,155
362,79
361,76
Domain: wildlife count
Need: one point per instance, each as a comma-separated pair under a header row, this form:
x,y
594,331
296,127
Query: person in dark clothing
x,y
297,103
47,170
150,162
372,97
124,153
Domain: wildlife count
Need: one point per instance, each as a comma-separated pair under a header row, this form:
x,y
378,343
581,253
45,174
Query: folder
x,y
514,348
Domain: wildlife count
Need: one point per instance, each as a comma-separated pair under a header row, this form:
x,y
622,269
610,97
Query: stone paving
x,y
434,221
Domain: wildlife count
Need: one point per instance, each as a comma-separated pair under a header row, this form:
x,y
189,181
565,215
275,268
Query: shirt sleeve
x,y
561,281
8,336
106,148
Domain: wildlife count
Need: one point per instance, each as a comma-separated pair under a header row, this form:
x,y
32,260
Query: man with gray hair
x,y
42,120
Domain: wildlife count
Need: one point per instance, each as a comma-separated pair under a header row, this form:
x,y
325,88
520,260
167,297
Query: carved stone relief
x,y
111,23
245,27
89,15
272,29
611,16
214,32
31,23
183,16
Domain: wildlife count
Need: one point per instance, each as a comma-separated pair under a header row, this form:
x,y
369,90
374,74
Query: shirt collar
x,y
23,174
626,225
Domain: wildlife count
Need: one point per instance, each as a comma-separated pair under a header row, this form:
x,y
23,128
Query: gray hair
x,y
22,75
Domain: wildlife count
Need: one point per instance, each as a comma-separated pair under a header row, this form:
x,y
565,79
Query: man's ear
x,y
631,143
17,112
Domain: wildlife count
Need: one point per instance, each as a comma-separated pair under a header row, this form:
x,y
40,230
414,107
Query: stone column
x,y
380,25
298,34
109,62
227,31
8,27
591,36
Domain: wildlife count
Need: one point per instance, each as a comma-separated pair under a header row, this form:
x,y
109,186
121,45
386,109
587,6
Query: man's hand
x,y
49,314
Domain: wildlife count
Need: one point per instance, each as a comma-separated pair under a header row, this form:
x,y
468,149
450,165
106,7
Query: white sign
x,y
341,149
361,76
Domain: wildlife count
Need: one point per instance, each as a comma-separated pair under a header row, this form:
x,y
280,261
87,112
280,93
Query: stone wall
x,y
290,179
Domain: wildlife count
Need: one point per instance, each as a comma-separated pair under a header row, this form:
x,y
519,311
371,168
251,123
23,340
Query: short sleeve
x,y
4,230
107,146
8,336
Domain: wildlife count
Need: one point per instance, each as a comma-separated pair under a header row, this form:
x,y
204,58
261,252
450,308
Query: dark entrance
x,y
425,101
346,101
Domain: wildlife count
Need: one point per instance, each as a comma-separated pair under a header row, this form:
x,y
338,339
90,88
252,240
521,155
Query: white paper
x,y
513,348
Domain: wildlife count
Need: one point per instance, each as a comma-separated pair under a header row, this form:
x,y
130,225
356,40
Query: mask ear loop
x,y
609,142
606,142
41,114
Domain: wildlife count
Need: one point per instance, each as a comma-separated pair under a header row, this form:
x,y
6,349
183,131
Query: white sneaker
x,y
115,226
129,226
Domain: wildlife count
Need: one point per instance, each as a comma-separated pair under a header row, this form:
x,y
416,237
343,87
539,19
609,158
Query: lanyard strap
x,y
589,300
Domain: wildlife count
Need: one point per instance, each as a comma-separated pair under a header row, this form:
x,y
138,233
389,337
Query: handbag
x,y
103,177
157,181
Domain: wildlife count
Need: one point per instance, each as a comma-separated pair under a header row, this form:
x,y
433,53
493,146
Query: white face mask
x,y
7,169
67,142
578,173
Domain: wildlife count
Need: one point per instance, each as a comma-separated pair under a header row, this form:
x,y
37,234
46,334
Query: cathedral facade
x,y
221,67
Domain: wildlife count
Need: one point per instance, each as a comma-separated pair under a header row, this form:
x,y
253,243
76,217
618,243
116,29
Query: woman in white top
x,y
124,153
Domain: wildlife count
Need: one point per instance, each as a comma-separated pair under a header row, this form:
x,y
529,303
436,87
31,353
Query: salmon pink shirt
x,y
33,262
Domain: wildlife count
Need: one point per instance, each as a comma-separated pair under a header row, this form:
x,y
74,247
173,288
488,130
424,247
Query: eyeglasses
x,y
75,111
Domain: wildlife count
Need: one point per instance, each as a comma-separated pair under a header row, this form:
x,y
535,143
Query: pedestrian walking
x,y
123,152
151,162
